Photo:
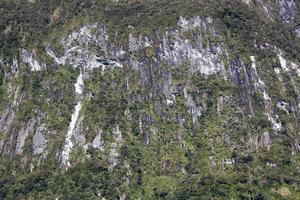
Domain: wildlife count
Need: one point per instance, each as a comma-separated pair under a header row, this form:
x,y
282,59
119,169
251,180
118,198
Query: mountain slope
x,y
150,100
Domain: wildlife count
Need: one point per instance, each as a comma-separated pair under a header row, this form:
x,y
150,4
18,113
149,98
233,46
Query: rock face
x,y
284,9
297,31
79,86
23,134
97,143
287,10
39,140
113,152
27,58
132,113
171,48
7,120
266,140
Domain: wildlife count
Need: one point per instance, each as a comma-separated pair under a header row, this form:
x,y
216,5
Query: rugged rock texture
x,y
200,105
39,140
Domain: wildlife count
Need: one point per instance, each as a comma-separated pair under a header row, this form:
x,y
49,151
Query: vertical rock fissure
x,y
79,86
260,85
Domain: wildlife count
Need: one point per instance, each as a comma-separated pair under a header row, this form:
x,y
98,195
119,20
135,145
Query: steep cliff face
x,y
201,106
285,10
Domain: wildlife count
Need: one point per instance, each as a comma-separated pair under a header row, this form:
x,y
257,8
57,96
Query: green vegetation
x,y
28,24
223,156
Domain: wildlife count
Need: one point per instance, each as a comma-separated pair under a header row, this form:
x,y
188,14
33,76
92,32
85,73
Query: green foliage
x,y
179,162
108,97
234,18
